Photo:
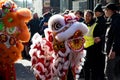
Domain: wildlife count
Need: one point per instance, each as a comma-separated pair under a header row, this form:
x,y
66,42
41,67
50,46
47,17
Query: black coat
x,y
95,52
99,31
95,59
113,35
33,25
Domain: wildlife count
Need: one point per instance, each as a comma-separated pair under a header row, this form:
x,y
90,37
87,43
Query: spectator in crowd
x,y
95,59
112,45
33,25
79,14
99,37
89,64
44,22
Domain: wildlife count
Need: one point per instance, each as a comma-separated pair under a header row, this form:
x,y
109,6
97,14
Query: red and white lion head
x,y
61,48
66,28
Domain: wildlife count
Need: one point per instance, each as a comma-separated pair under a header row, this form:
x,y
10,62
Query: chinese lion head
x,y
13,31
61,49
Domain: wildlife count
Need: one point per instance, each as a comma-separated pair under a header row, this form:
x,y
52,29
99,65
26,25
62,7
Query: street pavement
x,y
23,70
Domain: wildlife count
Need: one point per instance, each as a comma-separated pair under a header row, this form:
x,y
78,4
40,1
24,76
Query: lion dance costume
x,y
60,50
13,32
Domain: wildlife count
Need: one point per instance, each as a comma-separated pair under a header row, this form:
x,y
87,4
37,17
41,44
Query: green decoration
x,y
1,26
6,10
10,19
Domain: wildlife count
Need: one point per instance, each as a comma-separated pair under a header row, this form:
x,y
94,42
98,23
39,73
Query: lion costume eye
x,y
56,26
11,30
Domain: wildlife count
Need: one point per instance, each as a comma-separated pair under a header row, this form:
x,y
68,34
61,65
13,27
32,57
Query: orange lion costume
x,y
13,32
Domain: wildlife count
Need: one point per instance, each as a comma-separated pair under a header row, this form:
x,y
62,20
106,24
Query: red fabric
x,y
7,72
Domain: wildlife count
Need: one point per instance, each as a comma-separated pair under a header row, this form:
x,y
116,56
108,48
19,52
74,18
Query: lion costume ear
x,y
2,2
24,14
7,2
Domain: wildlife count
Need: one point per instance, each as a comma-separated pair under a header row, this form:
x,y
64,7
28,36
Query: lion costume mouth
x,y
76,42
76,45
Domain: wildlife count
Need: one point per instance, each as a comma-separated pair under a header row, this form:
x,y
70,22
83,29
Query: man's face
x,y
35,15
108,12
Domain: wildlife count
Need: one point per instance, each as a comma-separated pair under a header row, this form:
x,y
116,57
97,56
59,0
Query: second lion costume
x,y
13,32
61,49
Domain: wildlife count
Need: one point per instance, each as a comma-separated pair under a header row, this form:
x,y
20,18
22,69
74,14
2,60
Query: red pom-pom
x,y
50,38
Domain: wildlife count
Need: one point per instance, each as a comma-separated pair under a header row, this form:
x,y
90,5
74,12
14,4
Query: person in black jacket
x,y
95,59
33,26
44,23
99,37
112,48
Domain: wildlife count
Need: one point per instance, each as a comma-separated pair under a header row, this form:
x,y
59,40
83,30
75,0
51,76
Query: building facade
x,y
55,6
38,7
59,6
83,4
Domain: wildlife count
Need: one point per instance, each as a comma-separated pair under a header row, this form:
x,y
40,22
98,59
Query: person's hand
x,y
97,39
45,24
111,55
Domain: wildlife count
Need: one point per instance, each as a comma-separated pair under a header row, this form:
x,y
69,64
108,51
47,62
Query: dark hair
x,y
47,14
111,6
90,11
98,8
79,12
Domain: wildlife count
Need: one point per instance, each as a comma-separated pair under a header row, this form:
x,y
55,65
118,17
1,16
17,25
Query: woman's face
x,y
78,15
88,17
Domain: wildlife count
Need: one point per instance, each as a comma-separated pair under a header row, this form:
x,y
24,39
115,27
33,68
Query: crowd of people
x,y
102,42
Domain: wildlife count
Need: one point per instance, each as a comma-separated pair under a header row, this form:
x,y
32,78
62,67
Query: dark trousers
x,y
94,65
113,69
